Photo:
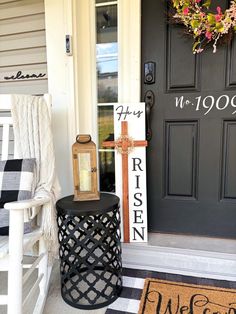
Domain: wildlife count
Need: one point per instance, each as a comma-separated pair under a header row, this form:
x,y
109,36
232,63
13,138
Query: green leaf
x,y
219,27
176,3
207,4
195,24
196,44
211,19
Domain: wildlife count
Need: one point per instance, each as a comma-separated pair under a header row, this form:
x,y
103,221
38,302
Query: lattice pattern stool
x,y
90,251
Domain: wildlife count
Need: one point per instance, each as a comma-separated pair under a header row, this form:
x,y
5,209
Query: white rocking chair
x,y
12,248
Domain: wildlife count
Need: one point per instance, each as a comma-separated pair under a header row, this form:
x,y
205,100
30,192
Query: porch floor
x,y
161,247
56,304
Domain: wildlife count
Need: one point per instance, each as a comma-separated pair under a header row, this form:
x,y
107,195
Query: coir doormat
x,y
166,297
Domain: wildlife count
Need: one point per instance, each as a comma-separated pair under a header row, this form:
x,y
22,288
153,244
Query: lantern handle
x,y
83,139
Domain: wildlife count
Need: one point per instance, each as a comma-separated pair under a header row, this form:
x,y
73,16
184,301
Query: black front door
x,y
192,155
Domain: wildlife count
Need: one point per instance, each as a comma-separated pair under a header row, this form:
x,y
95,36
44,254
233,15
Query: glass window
x,y
107,73
107,54
105,124
107,170
106,23
107,87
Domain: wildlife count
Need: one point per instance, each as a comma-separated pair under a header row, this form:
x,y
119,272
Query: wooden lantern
x,y
85,169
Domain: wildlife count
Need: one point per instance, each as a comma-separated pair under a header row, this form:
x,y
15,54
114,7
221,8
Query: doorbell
x,y
149,72
68,45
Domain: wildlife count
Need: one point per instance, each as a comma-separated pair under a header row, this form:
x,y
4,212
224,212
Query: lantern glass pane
x,y
85,177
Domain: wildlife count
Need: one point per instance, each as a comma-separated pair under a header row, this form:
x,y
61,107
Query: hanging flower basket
x,y
208,27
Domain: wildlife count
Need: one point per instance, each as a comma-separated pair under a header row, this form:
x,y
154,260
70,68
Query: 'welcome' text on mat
x,y
165,297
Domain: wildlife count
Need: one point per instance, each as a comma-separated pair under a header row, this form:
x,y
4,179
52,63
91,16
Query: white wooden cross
x,y
130,156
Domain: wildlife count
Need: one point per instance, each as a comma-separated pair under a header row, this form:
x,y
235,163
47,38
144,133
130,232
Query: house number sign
x,y
133,117
208,103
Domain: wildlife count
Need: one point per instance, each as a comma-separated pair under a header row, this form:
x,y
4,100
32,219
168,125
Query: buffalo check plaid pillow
x,y
16,180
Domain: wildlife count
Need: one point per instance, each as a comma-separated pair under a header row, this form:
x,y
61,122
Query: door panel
x,y
181,159
228,178
231,66
179,77
192,155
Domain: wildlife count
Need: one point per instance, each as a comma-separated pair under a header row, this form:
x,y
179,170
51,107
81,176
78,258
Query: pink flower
x,y
219,15
185,11
219,10
197,1
208,35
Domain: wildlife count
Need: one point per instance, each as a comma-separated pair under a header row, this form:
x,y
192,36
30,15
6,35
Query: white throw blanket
x,y
33,139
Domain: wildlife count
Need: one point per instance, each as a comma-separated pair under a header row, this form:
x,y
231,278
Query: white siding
x,y
23,46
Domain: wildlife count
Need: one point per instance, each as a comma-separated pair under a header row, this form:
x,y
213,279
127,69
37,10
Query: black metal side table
x,y
90,251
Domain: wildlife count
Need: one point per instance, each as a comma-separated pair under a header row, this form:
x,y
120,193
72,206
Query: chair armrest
x,y
21,205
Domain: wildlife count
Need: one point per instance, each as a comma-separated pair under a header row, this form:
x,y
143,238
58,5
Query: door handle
x,y
149,99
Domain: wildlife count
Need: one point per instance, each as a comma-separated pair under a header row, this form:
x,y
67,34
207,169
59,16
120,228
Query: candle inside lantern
x,y
84,172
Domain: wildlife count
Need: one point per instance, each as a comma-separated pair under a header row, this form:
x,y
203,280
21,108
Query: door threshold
x,y
186,255
190,242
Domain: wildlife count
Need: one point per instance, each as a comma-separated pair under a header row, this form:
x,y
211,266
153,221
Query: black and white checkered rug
x,y
133,282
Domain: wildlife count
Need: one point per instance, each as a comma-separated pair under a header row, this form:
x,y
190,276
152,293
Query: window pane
x,y
107,54
107,171
105,124
107,72
106,24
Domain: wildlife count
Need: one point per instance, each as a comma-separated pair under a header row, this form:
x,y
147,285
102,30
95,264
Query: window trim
x,y
129,60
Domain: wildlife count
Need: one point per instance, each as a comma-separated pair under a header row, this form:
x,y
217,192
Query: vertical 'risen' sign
x,y
134,114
